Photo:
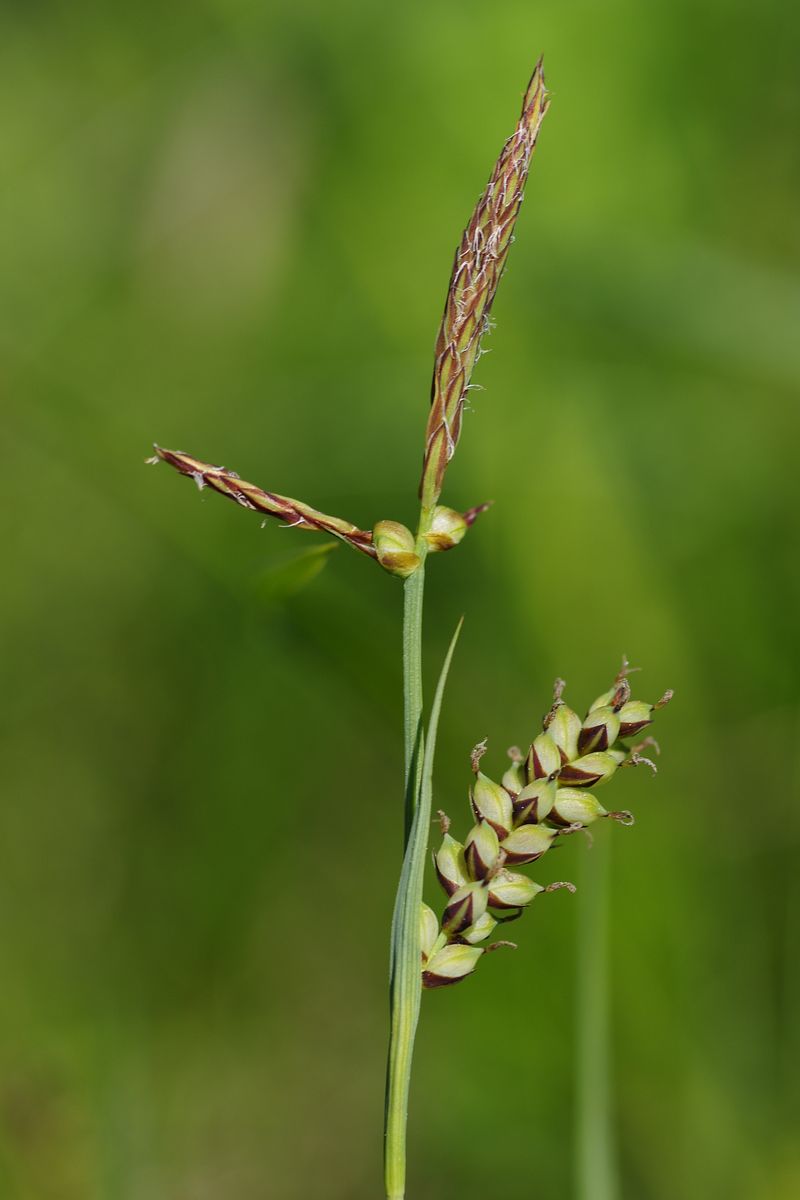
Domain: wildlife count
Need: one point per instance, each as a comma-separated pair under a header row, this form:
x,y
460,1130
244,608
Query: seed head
x,y
509,889
481,850
514,778
544,758
478,266
590,769
564,727
451,965
492,803
574,806
394,546
527,843
447,528
600,729
636,715
478,932
465,907
428,932
534,802
247,495
545,795
450,865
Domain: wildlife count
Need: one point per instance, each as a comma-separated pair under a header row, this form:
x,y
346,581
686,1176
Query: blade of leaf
x,y
406,979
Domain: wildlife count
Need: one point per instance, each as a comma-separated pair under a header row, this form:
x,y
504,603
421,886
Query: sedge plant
x,y
546,792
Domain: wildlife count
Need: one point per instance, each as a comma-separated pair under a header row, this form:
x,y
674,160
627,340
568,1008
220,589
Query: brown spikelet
x,y
291,512
478,266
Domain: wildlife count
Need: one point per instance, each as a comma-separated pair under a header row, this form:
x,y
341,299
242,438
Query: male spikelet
x,y
391,543
248,495
478,266
479,263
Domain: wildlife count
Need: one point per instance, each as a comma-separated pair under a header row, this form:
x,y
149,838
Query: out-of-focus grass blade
x,y
279,583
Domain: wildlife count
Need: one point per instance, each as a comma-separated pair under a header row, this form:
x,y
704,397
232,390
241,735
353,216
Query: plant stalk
x,y
406,981
412,690
597,1174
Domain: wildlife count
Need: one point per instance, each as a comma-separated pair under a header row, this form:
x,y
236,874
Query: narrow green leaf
x,y
406,979
426,784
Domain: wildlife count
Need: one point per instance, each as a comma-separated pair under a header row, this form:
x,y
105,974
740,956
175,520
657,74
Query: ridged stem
x,y
406,983
597,1175
412,689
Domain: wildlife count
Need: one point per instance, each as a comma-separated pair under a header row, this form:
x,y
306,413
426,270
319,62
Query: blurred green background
x,y
228,226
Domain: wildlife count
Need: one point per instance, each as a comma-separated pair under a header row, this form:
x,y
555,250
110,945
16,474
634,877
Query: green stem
x,y
597,1176
405,983
412,689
